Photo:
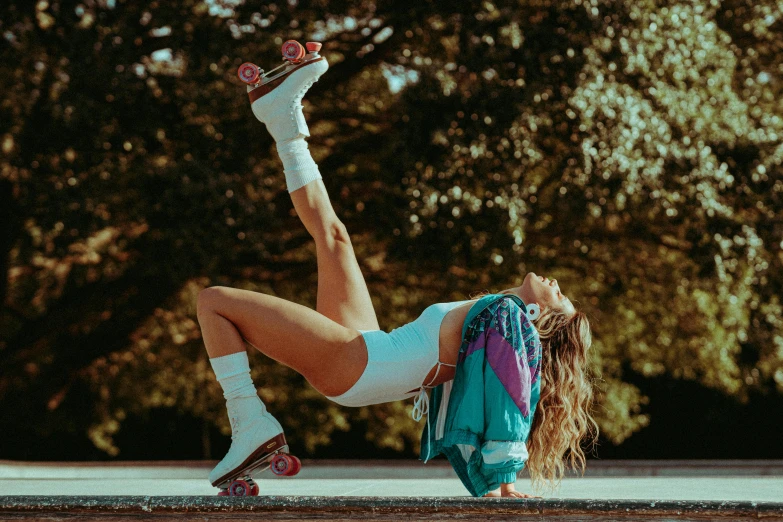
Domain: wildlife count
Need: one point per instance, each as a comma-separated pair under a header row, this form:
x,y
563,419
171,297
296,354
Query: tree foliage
x,y
632,150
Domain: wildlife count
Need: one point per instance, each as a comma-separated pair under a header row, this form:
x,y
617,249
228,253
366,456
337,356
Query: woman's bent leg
x,y
342,290
330,356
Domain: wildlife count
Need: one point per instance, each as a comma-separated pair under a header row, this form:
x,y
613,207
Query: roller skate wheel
x,y
297,465
223,493
313,47
239,488
281,465
249,73
254,489
293,51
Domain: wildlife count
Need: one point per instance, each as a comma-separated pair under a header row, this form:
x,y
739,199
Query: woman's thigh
x,y
342,291
330,356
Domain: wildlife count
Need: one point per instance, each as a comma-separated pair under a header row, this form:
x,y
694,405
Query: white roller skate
x,y
276,98
257,443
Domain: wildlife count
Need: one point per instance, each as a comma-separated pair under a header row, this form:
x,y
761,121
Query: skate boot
x,y
276,98
256,440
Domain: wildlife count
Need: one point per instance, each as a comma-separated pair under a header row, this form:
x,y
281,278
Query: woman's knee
x,y
336,232
209,299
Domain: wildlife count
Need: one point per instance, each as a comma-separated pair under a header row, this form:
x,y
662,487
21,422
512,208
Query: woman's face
x,y
542,291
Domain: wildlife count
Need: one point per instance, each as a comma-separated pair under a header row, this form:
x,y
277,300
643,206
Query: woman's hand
x,y
518,494
507,490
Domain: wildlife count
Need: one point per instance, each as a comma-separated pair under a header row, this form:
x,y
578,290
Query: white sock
x,y
298,165
233,374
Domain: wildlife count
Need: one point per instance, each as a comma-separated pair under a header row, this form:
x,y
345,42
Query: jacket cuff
x,y
502,478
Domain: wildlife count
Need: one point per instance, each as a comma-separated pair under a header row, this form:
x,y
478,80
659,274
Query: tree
x,y
632,150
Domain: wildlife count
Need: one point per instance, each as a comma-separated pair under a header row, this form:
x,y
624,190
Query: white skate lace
x,y
237,423
303,90
297,101
234,422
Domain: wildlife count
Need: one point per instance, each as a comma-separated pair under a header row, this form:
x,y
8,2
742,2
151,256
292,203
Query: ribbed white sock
x,y
233,374
298,165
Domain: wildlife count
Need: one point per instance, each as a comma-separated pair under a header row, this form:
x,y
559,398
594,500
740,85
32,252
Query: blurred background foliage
x,y
631,149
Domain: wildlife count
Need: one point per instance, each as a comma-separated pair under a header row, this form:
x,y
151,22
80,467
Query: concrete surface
x,y
660,480
355,469
338,490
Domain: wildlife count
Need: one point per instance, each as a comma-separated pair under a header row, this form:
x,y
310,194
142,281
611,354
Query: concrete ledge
x,y
376,508
380,469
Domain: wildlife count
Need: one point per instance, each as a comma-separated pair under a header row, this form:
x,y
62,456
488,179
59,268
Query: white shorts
x,y
398,361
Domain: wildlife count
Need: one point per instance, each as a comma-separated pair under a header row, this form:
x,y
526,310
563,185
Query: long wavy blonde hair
x,y
562,420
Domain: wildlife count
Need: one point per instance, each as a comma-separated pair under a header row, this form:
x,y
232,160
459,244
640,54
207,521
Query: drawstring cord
x,y
421,405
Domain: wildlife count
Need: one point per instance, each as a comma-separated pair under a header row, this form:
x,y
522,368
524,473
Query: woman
x,y
341,351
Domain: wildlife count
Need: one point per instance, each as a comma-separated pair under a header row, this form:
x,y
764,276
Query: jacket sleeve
x,y
511,393
502,460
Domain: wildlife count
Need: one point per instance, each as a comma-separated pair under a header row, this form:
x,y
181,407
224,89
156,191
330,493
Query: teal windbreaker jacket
x,y
481,420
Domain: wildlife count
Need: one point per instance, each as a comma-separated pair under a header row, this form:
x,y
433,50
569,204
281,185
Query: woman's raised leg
x,y
342,290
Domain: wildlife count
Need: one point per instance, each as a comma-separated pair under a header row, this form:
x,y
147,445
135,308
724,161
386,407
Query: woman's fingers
x,y
519,494
513,493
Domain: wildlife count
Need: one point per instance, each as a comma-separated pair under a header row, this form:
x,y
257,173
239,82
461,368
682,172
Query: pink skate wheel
x,y
313,47
248,73
254,490
223,493
239,488
281,465
297,465
293,51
